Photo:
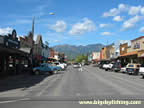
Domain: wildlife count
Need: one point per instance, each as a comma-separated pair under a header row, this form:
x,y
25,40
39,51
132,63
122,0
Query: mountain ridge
x,y
71,51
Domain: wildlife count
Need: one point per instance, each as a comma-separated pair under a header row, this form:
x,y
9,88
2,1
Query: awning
x,y
129,54
12,51
141,53
27,50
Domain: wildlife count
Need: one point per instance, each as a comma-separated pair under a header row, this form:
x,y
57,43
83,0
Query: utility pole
x,y
32,45
33,26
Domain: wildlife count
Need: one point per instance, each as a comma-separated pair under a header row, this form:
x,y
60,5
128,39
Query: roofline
x,y
137,38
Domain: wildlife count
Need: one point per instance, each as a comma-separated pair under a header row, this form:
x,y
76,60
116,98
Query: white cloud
x,y
104,25
142,11
116,11
134,10
5,31
131,23
141,29
60,26
106,33
122,7
112,12
82,27
23,21
56,40
117,18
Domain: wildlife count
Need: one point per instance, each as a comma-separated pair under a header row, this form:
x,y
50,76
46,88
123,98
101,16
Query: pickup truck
x,y
46,68
108,66
141,70
62,65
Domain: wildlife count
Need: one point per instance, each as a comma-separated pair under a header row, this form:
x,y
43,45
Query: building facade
x,y
26,41
45,51
117,47
51,53
103,54
37,47
95,56
133,53
11,57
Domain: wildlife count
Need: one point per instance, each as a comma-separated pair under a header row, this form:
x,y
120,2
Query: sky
x,y
75,22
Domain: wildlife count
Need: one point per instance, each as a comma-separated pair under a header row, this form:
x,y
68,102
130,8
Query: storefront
x,y
141,57
131,57
12,60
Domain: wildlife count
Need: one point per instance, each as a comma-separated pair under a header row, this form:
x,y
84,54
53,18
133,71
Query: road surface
x,y
92,82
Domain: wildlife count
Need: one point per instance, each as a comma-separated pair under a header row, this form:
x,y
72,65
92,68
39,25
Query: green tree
x,y
82,58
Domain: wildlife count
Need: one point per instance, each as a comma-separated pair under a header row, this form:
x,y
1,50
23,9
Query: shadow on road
x,y
24,81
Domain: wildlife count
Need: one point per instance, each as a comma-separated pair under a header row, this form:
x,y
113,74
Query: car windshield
x,y
56,63
130,65
75,63
42,65
71,50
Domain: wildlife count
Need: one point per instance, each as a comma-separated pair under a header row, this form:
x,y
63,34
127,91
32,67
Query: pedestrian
x,y
80,67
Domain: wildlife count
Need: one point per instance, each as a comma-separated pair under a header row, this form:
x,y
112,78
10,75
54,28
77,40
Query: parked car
x,y
95,65
57,67
65,64
105,66
141,70
76,65
133,68
116,66
108,66
60,65
45,68
101,65
123,69
86,63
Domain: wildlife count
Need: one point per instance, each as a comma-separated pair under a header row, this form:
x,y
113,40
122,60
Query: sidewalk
x,y
19,82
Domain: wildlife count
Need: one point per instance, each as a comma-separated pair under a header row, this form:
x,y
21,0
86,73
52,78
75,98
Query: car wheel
x,y
55,71
143,76
51,73
37,72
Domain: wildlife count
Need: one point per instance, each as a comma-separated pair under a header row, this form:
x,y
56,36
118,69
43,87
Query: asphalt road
x,y
72,85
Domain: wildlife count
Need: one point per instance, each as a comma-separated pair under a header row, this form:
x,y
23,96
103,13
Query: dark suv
x,y
116,66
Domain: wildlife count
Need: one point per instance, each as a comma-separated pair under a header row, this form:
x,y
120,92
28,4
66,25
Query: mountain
x,y
71,51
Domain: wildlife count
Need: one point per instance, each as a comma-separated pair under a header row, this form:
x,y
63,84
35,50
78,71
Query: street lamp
x,y
51,13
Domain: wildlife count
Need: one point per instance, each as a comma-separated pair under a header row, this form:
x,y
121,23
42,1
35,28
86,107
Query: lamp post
x,y
51,13
33,22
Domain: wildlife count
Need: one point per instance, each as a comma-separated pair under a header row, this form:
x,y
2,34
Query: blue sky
x,y
76,22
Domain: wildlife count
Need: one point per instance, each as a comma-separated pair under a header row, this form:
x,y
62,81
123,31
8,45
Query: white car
x,y
108,66
76,65
64,64
105,66
60,65
141,70
123,69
